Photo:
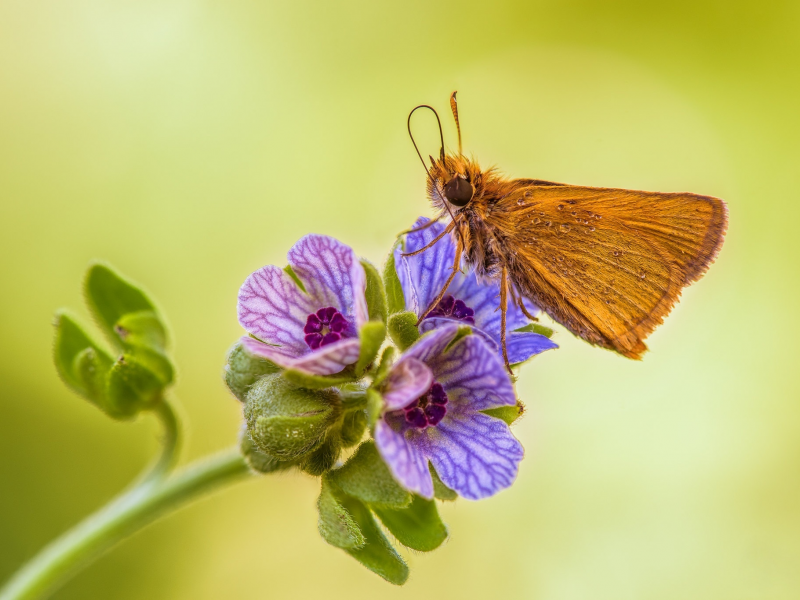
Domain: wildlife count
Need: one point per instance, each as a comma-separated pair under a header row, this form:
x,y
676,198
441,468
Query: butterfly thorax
x,y
485,246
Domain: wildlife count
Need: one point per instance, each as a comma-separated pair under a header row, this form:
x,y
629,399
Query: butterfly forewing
x,y
608,264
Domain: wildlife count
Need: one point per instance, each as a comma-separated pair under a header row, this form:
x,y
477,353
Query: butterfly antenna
x,y
441,154
454,108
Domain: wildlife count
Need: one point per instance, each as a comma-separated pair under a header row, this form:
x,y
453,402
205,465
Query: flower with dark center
x,y
433,396
324,327
468,300
455,309
284,317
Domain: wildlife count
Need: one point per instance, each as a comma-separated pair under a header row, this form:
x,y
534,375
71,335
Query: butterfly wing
x,y
609,264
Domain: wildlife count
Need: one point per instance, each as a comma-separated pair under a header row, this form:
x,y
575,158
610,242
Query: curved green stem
x,y
170,447
130,512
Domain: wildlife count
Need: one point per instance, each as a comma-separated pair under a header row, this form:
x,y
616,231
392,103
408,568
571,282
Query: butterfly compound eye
x,y
458,191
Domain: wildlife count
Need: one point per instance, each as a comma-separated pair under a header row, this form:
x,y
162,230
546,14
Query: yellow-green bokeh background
x,y
189,143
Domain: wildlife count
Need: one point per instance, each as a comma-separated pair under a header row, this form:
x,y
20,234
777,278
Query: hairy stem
x,y
154,497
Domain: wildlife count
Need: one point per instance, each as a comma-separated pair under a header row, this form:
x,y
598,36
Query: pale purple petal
x,y
326,360
432,344
403,457
523,345
473,375
408,380
474,454
272,308
332,275
423,276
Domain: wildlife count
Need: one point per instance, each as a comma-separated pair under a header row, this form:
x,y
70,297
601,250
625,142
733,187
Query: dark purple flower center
x,y
455,309
324,327
428,409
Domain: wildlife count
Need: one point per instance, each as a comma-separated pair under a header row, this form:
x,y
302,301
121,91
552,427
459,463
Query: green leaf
x,y
316,382
417,526
376,296
440,490
509,414
372,335
536,328
375,405
403,329
336,525
131,387
383,367
110,297
377,554
354,424
142,328
395,300
243,369
288,422
80,362
259,461
366,477
324,457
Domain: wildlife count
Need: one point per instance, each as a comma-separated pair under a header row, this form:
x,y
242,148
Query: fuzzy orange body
x,y
608,264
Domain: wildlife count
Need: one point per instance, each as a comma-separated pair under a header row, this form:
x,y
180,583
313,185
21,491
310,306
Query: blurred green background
x,y
189,143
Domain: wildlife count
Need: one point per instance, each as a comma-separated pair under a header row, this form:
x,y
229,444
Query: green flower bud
x,y
243,369
403,329
256,459
288,422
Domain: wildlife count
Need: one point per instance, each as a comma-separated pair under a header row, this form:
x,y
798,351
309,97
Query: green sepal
x,y
375,405
395,300
536,328
80,362
417,526
440,490
367,478
288,422
463,331
354,424
336,525
290,272
377,554
371,335
257,460
376,296
110,297
316,382
324,457
509,414
403,329
131,387
243,369
383,366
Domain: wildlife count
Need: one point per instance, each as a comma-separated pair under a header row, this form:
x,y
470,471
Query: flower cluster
x,y
316,376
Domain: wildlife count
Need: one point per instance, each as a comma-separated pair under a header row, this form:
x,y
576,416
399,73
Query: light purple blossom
x,y
468,301
433,397
314,330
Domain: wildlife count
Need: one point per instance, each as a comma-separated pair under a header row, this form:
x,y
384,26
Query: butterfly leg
x,y
456,267
447,230
422,227
503,310
518,300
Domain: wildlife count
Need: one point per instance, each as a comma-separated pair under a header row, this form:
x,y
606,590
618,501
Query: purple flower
x,y
468,300
314,329
433,397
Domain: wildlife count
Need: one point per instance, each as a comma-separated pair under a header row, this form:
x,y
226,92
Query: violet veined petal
x,y
522,345
272,308
423,276
432,344
332,275
474,454
408,380
483,299
327,360
473,375
406,462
